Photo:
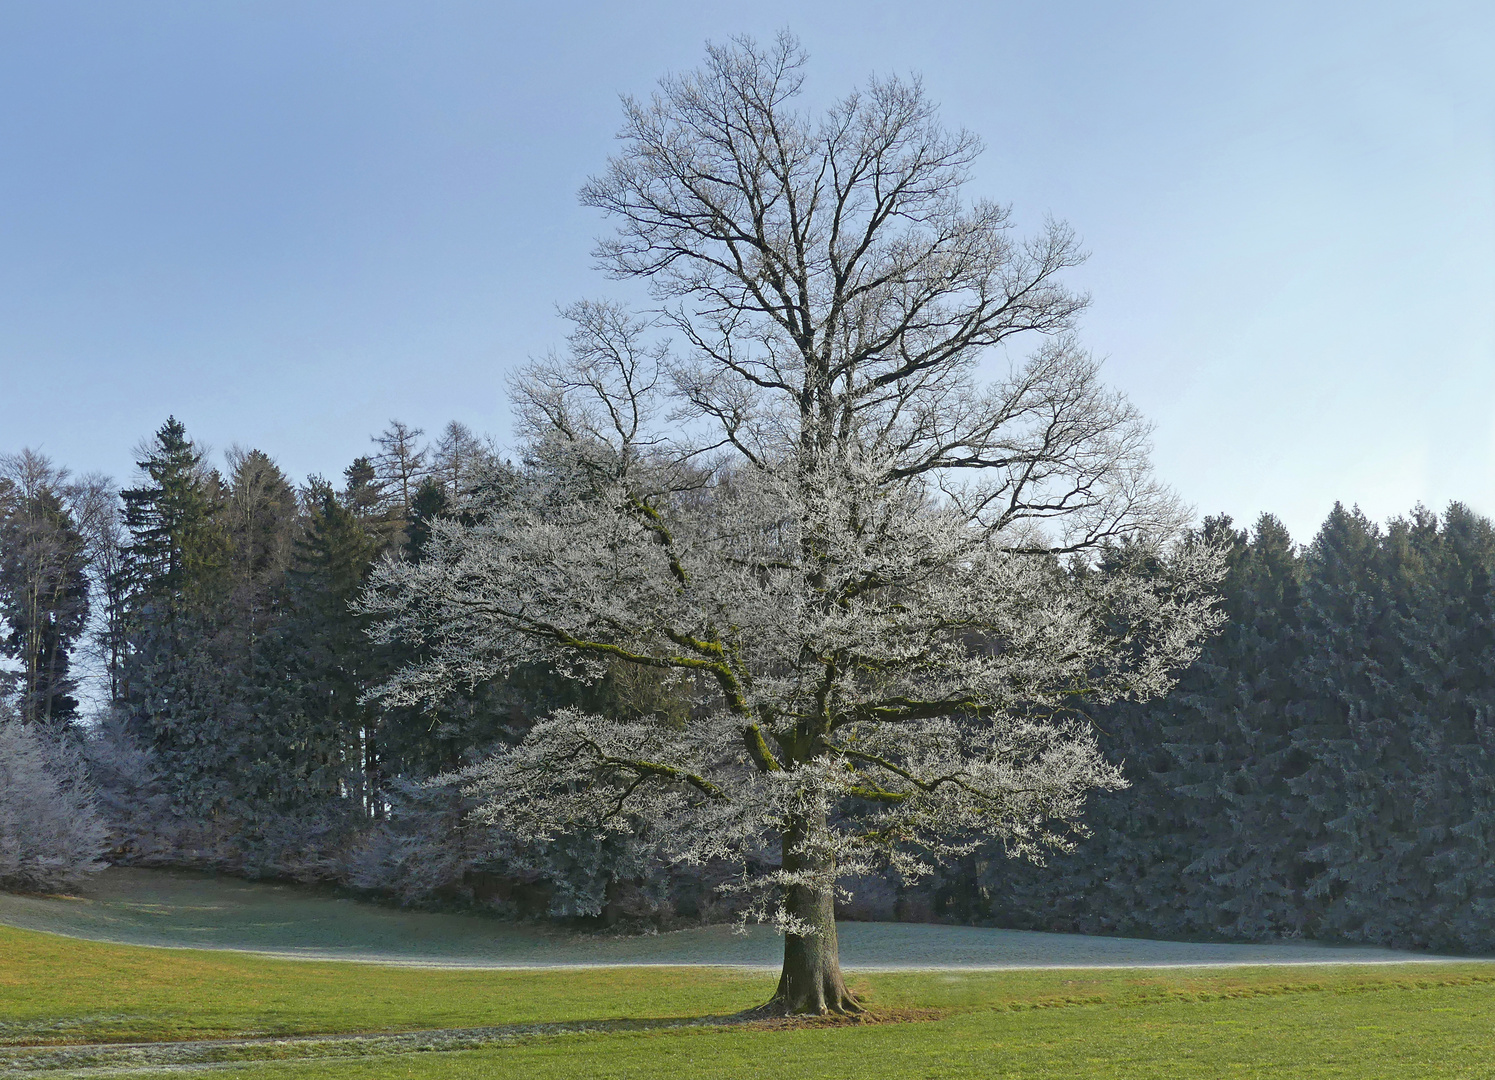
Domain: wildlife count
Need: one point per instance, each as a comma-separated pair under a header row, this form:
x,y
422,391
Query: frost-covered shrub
x,y
309,844
595,873
51,834
133,800
420,852
427,851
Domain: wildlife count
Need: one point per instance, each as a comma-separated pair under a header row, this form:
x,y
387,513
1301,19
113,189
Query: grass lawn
x,y
1384,1021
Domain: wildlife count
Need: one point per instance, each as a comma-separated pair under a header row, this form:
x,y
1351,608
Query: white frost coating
x,y
51,835
885,582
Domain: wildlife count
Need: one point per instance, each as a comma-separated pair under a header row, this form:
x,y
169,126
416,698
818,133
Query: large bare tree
x,y
887,561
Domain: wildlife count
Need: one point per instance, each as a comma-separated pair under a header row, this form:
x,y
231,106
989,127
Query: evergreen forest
x,y
188,672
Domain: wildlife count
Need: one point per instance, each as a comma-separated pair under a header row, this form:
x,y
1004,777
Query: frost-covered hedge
x,y
51,834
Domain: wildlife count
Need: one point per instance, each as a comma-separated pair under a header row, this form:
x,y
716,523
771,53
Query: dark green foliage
x,y
178,550
429,506
1327,767
182,678
262,517
319,663
364,493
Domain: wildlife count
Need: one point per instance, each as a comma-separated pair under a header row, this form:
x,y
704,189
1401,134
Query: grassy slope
x,y
1425,1020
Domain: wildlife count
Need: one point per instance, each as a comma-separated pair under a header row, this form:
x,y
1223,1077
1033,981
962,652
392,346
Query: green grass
x,y
58,990
1393,1021
1443,1032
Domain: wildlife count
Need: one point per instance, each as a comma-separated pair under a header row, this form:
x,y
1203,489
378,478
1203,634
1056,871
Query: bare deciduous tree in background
x,y
400,464
887,575
457,457
44,584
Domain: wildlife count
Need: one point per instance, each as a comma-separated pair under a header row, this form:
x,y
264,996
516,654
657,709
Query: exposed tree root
x,y
769,1015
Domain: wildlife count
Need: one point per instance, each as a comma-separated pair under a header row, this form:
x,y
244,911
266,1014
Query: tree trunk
x,y
811,982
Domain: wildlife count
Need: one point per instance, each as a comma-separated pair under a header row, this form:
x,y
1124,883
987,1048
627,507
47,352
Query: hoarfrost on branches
x,y
886,578
51,834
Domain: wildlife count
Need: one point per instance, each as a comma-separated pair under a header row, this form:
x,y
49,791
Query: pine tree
x,y
363,491
429,505
1450,669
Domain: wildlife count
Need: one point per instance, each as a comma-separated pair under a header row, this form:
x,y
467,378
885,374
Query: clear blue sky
x,y
288,222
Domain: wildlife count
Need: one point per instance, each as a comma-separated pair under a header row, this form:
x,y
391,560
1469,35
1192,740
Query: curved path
x,y
112,1059
201,911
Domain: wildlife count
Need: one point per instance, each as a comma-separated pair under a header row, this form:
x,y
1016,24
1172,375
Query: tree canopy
x,y
884,574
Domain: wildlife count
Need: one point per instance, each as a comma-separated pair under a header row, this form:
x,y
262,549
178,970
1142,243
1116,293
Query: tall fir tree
x,y
1458,792
181,684
262,520
324,661
1231,735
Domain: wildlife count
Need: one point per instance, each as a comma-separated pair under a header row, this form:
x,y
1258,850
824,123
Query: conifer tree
x,y
1353,807
401,465
458,459
1230,734
178,549
182,688
363,491
1459,792
262,520
325,657
428,506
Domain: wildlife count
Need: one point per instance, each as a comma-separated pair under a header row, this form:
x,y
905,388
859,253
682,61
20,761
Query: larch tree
x,y
457,458
400,466
885,562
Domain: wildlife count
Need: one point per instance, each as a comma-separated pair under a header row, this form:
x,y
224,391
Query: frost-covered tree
x,y
884,562
51,835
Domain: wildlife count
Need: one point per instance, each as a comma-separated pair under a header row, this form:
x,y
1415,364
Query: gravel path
x,y
170,908
108,1059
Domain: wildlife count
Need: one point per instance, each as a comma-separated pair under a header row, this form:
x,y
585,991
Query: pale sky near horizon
x,y
286,223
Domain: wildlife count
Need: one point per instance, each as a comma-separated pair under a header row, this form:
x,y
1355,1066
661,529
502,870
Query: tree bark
x,y
811,982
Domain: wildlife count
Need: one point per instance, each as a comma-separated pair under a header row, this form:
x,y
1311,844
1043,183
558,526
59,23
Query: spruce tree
x,y
1450,669
183,690
1232,738
262,518
1355,809
178,549
324,663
